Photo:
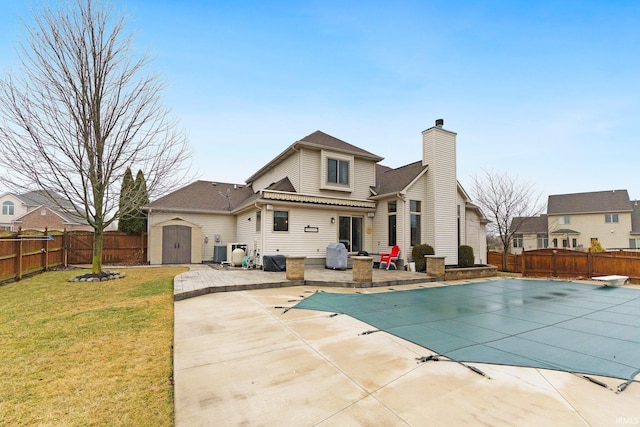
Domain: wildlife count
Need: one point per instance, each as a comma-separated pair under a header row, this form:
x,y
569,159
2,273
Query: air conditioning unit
x,y
219,254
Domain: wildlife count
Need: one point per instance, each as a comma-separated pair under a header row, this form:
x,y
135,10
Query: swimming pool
x,y
551,324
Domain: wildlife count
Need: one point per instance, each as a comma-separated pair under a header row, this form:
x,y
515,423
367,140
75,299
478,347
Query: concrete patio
x,y
242,358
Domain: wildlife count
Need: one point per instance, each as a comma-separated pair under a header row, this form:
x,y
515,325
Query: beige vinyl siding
x,y
224,225
475,235
380,230
364,176
310,171
529,243
247,234
439,154
314,175
610,235
297,242
288,168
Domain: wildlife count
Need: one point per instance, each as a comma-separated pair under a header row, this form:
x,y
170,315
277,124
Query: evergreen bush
x,y
465,256
417,255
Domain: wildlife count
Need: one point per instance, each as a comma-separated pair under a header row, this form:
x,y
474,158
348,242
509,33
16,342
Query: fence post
x,y
554,273
64,248
523,263
18,258
589,264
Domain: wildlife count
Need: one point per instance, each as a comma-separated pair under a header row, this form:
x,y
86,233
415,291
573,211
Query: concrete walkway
x,y
241,359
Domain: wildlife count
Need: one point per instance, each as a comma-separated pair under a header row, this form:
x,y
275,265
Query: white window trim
x,y
324,182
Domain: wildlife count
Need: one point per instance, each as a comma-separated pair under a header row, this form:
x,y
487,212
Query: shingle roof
x,y
54,202
395,180
531,224
44,198
565,231
593,202
328,141
283,185
206,196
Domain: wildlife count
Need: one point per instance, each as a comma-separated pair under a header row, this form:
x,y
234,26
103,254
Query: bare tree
x,y
504,199
81,110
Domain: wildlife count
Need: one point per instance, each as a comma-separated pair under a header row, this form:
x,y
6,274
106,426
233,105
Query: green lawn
x,y
87,353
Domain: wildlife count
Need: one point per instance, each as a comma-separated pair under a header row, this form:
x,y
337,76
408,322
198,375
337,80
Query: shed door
x,y
176,244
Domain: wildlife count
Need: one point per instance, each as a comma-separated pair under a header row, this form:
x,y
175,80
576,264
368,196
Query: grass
x,y
81,354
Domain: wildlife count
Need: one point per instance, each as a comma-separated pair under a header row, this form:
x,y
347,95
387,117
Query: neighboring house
x,y
532,233
318,191
577,219
573,221
36,211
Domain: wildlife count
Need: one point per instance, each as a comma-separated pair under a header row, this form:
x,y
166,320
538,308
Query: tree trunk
x,y
505,259
98,236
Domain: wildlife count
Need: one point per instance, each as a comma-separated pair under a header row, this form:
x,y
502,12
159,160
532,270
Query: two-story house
x,y
36,210
577,219
574,220
321,190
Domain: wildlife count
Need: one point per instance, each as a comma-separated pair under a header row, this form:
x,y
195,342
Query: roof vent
x,y
439,123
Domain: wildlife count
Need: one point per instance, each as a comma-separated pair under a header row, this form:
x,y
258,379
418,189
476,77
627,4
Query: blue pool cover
x,y
560,325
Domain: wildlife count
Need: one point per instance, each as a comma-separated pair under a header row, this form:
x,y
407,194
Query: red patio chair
x,y
387,260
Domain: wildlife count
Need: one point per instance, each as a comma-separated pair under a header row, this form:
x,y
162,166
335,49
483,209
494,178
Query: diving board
x,y
613,280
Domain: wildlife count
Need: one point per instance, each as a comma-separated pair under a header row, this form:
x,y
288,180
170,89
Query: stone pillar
x,y
362,269
435,266
295,268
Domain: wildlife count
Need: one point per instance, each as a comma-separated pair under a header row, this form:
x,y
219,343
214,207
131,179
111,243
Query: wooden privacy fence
x,y
23,254
553,262
117,248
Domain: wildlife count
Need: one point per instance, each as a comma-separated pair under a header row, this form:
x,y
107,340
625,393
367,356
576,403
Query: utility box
x,y
336,256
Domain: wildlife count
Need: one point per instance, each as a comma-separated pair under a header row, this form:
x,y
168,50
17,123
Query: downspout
x,y
403,246
149,235
259,252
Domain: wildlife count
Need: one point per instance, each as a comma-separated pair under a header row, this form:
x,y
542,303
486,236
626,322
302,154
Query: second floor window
x,y
611,218
7,208
564,220
338,171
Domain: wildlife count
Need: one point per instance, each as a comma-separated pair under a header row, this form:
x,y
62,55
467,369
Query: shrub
x,y
417,255
596,247
465,256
